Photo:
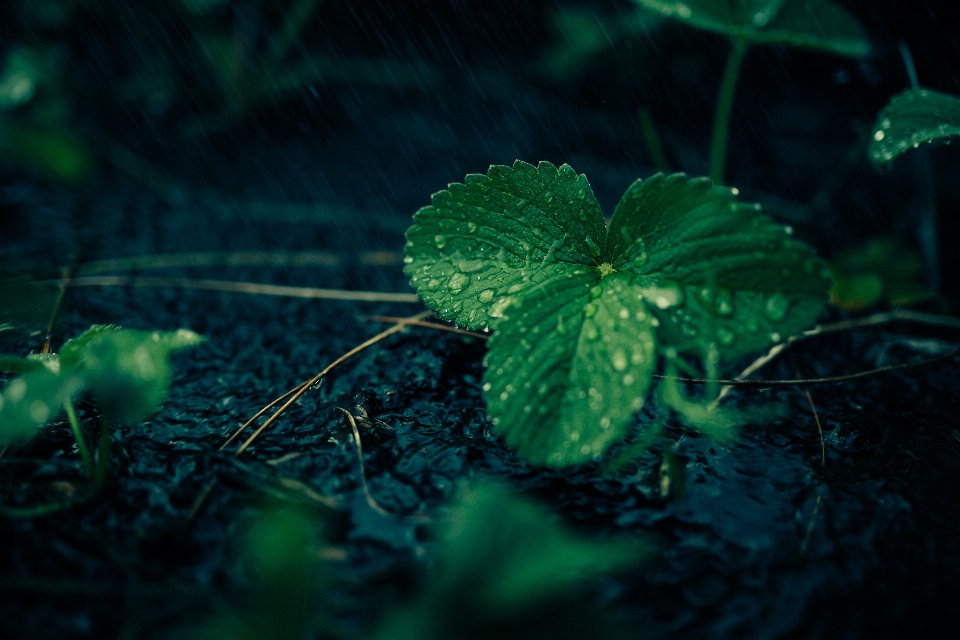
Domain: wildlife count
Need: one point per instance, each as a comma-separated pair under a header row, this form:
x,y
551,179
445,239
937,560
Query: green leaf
x,y
480,243
809,24
128,371
12,364
31,401
714,270
578,311
880,270
506,562
910,119
575,353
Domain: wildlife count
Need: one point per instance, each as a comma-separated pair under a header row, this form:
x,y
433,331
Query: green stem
x,y
721,124
652,140
78,436
103,453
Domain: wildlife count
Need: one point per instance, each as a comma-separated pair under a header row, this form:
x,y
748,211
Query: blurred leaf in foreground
x,y
278,553
810,24
127,371
510,571
881,270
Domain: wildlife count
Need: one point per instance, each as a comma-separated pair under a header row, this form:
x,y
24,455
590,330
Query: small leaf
x,y
480,243
910,119
31,401
809,24
713,270
128,371
12,364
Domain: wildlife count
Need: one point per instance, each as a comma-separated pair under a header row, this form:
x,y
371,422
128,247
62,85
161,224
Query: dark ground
x,y
764,541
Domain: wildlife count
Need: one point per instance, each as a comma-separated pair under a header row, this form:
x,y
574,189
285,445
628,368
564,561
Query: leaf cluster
x,y
580,309
126,371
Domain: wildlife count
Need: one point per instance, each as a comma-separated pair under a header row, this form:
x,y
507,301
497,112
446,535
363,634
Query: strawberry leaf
x,y
808,24
578,311
910,119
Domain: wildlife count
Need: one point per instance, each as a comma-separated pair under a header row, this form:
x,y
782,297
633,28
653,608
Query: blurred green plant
x,y
879,271
127,372
278,553
912,118
508,570
819,25
580,310
35,129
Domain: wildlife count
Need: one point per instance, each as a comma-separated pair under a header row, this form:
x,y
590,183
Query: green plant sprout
x,y
580,310
819,25
880,270
912,118
510,571
126,371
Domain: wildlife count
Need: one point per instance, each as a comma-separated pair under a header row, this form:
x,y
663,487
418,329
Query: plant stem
x,y
652,139
721,123
103,454
78,436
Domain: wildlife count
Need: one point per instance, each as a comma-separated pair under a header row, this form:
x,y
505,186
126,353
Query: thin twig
x,y
806,381
303,389
245,287
62,290
816,416
813,520
430,325
260,413
201,499
363,474
897,315
235,259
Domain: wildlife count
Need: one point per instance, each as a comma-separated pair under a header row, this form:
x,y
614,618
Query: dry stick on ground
x,y
901,315
317,378
363,474
422,323
245,287
816,416
296,392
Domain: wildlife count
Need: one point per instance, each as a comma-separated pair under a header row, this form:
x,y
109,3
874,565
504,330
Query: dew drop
x,y
457,282
486,295
471,226
776,307
470,266
440,240
497,308
668,294
725,336
591,332
596,291
641,259
407,259
619,360
879,135
590,310
547,196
